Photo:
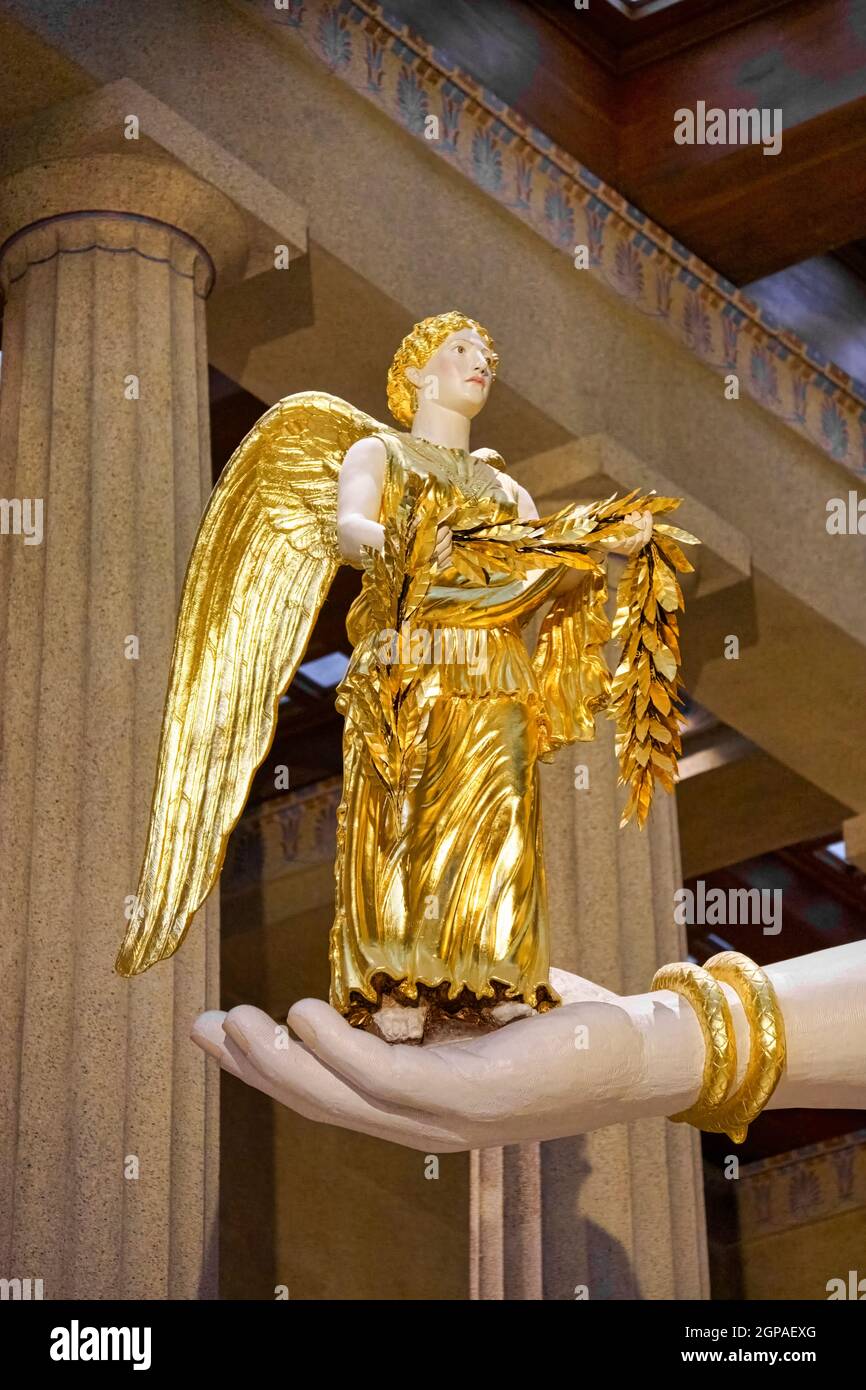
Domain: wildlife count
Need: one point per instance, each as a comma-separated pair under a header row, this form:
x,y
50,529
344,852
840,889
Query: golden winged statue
x,y
440,891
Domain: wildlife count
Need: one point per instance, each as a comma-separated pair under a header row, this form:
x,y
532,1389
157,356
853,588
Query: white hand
x,y
444,545
600,1059
562,1078
632,544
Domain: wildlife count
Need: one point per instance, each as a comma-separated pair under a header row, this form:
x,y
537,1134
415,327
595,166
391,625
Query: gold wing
x,y
262,563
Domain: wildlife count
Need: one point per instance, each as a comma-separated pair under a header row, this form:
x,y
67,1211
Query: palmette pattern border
x,y
814,1183
509,159
297,830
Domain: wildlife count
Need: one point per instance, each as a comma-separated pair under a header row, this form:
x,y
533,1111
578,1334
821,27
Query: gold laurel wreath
x,y
644,691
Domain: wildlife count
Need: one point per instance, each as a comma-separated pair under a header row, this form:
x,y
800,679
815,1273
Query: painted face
x,y
458,375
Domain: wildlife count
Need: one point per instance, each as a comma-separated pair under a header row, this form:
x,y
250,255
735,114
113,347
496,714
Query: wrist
x,y
673,1052
737,1010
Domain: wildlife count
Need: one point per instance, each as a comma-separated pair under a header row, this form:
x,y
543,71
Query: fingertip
x,y
211,1018
245,1015
310,1016
207,1033
235,1033
213,1050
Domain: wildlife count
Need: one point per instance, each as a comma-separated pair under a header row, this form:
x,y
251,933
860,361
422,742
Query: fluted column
x,y
108,1137
629,1197
617,1213
506,1250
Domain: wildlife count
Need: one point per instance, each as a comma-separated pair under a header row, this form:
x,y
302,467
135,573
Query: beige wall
x,y
796,1221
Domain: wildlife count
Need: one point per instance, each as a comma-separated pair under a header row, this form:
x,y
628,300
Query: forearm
x,y
822,998
823,1001
354,532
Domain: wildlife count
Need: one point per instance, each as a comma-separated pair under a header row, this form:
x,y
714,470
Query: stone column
x,y
108,1135
629,1197
506,1250
617,1213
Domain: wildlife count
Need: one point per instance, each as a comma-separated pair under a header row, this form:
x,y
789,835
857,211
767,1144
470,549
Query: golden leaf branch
x,y
645,689
391,717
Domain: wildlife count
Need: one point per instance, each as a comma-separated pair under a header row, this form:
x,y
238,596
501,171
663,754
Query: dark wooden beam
x,y
625,37
605,87
749,215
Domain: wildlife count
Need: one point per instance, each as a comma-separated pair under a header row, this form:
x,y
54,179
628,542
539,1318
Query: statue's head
x,y
448,358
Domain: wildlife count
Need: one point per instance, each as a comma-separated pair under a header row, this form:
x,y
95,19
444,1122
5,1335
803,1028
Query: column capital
x,y
152,207
120,151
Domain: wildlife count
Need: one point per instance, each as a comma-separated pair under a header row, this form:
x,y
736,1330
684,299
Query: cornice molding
x,y
566,204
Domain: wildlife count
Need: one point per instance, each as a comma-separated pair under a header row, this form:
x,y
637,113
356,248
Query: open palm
x,y
533,1079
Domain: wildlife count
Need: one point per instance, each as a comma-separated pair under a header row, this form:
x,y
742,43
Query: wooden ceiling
x,y
626,34
604,84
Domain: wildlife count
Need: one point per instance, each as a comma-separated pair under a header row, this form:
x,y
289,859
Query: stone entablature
x,y
565,203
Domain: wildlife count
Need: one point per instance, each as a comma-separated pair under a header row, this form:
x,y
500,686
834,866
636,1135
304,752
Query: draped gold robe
x,y
439,875
453,901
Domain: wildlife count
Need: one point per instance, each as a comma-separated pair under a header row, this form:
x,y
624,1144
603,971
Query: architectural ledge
x,y
854,832
598,465
390,65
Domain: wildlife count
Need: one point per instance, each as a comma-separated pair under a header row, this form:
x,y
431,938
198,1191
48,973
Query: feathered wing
x,y
262,563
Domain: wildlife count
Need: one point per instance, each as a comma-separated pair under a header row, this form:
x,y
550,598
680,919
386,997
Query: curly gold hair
x,y
417,348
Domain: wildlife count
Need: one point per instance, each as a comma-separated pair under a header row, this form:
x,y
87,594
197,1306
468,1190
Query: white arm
x,y
599,1059
359,498
823,1001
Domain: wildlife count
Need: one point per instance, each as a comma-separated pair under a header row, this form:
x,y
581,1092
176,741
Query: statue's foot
x,y
399,1023
511,1009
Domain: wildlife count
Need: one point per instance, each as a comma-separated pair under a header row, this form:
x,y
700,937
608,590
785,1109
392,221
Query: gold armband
x,y
716,1110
